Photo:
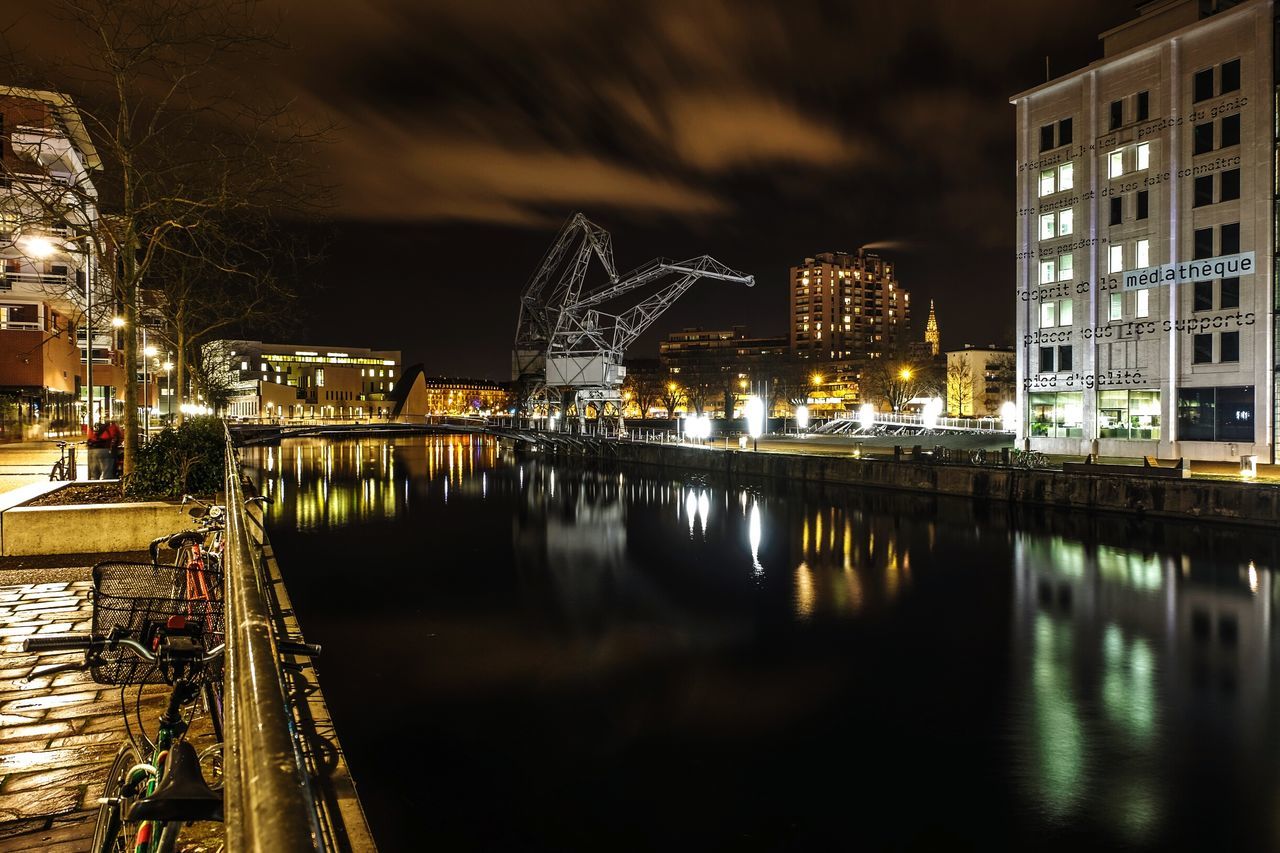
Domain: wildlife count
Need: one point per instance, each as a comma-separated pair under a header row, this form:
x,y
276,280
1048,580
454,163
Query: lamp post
x,y
168,386
148,353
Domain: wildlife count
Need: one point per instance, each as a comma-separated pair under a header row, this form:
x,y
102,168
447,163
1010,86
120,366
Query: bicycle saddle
x,y
182,794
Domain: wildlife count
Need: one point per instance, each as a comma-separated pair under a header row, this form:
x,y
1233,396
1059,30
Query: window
x,y
1229,76
1229,347
1064,132
1202,138
1144,303
1066,222
1230,293
1048,228
1202,353
1230,131
1058,224
1129,414
1046,359
244,365
1203,244
1229,189
1046,137
1064,357
1066,177
264,367
1144,156
1203,191
1142,205
1215,414
1064,312
1143,258
1115,164
1115,307
1115,260
1116,209
1057,414
1144,106
1064,267
1117,114
1203,300
1047,183
1048,315
1229,239
1047,272
1202,86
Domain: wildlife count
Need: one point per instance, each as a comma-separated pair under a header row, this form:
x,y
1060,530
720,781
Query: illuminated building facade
x,y
44,267
301,381
980,380
719,363
847,306
1146,240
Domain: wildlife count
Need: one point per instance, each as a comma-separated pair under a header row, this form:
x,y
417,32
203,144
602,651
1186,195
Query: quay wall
x,y
1160,497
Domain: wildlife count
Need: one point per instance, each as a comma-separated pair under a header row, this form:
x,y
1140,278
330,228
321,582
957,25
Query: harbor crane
x,y
568,351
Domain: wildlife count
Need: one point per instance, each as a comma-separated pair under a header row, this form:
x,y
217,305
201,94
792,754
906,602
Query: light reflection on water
x,y
1062,677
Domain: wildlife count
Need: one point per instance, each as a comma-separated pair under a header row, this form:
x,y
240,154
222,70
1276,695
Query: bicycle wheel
x,y
58,472
113,834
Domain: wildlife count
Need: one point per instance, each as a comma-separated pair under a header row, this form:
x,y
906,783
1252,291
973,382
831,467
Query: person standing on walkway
x,y
104,440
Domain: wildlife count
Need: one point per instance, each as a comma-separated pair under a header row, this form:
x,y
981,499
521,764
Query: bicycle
x,y
64,468
138,639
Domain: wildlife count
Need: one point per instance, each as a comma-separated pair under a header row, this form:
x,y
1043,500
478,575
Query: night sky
x,y
755,131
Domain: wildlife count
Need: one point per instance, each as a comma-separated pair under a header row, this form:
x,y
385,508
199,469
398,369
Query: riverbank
x,y
1251,503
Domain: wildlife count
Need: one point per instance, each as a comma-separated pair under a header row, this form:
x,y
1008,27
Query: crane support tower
x,y
568,349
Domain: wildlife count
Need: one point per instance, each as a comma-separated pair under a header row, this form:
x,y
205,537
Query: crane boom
x,y
566,345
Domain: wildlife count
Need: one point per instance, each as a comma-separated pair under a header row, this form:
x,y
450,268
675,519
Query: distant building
x,y
931,332
1146,225
306,381
847,306
716,366
980,380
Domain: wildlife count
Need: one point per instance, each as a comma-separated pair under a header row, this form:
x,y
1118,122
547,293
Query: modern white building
x,y
1146,240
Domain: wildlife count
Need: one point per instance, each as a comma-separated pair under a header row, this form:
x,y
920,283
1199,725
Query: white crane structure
x,y
568,350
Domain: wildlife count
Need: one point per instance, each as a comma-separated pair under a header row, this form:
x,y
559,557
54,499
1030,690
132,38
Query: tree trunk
x,y
175,400
132,316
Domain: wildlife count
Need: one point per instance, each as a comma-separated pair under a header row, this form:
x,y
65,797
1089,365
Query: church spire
x,y
931,330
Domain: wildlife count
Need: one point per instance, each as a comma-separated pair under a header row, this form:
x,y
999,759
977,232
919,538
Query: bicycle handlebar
x,y
74,642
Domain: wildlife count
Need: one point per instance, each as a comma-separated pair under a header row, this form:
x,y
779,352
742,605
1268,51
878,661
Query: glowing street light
x,y
866,416
802,417
932,409
755,420
1009,416
37,247
117,322
905,374
815,379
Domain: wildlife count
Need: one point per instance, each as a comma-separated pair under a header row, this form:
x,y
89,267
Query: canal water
x,y
528,656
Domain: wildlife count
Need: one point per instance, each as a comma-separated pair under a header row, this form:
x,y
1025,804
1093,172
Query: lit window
x,y
1066,179
1144,156
1116,307
1047,272
1048,314
1064,312
244,365
1047,227
1116,260
1144,254
1066,222
1144,303
1115,164
1047,182
264,367
1064,267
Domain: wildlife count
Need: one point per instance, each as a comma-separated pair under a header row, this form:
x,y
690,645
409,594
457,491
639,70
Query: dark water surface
x,y
528,657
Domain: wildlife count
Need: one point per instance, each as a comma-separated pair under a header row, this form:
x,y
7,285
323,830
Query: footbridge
x,y
909,424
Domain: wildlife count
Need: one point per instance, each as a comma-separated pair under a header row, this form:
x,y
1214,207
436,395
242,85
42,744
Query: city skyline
x,y
760,136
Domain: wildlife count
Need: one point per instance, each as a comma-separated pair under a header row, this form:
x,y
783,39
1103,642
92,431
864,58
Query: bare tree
x,y
960,387
645,389
895,380
185,133
672,395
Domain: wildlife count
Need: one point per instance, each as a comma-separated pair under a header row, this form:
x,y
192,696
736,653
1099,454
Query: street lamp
x,y
905,373
168,385
755,420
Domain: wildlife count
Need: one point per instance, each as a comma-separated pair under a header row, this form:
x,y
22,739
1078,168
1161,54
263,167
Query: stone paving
x,y
58,735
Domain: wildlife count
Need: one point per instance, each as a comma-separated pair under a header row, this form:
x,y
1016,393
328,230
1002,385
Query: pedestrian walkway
x,y
59,734
26,462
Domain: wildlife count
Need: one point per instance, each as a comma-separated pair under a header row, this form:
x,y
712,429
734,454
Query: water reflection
x,y
695,641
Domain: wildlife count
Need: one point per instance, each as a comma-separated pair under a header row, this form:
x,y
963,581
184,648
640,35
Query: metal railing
x,y
270,805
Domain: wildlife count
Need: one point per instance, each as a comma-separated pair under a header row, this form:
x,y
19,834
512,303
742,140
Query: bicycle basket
x,y
137,601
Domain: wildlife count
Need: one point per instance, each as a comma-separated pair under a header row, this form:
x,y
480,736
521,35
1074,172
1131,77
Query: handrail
x,y
269,801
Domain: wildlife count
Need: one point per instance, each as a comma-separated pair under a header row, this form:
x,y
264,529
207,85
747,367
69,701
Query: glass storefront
x,y
1057,414
1133,415
1215,414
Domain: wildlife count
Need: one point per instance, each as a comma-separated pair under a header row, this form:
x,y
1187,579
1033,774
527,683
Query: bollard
x,y
916,451
897,453
1005,453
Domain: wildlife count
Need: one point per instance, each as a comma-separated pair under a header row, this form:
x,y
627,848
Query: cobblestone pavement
x,y
58,734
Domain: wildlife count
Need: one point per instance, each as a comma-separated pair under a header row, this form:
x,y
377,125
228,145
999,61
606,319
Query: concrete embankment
x,y
1199,499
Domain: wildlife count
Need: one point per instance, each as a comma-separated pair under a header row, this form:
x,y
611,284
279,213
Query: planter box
x,y
84,528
